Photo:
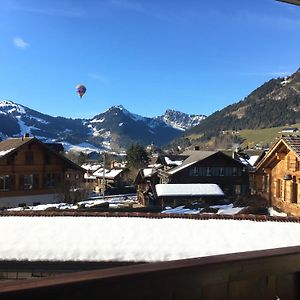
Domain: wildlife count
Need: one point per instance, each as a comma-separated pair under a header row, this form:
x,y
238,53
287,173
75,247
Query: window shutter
x,y
21,178
12,182
36,181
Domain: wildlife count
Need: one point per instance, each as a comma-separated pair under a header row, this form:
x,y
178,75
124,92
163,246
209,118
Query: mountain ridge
x,y
115,128
274,103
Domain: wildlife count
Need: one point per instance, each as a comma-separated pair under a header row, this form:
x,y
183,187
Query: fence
x,y
268,274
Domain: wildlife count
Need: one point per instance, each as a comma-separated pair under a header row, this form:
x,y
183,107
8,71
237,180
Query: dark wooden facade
x,y
211,167
145,186
32,173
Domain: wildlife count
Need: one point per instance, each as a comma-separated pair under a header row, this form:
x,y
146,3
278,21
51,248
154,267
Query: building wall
x,y
272,185
30,200
228,174
31,171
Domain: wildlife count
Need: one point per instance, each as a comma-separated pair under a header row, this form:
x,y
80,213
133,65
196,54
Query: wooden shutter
x,y
36,181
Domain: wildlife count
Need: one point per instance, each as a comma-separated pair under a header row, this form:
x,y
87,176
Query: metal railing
x,y
268,274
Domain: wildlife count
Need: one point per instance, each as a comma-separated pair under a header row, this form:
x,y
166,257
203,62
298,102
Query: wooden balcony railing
x,y
268,274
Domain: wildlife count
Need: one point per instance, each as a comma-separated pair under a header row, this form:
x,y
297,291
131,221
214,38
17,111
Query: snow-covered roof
x,y
173,162
136,239
148,172
194,157
253,159
181,167
4,152
88,176
192,189
91,167
109,174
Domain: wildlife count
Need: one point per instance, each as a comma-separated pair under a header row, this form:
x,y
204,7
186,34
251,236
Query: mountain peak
x,y
8,106
119,106
180,120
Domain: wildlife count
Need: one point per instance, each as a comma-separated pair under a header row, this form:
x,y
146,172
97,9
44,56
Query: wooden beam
x,y
280,155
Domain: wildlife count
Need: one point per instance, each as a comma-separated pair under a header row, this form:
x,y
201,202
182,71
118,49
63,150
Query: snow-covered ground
x,y
136,239
222,209
273,212
114,202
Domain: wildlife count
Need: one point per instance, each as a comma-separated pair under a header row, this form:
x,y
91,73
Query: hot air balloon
x,y
80,89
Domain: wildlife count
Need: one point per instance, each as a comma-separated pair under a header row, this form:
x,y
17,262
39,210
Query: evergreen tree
x,y
136,156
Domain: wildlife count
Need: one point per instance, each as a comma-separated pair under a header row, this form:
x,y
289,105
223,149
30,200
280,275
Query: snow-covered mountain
x,y
181,120
113,129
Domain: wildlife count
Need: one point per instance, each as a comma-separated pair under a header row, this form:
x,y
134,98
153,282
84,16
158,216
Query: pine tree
x,y
136,156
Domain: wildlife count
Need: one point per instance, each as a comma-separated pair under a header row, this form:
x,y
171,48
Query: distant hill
x,y
275,103
113,129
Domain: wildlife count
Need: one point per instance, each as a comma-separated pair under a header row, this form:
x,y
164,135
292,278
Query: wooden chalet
x,y
277,175
210,167
147,178
32,173
110,179
145,182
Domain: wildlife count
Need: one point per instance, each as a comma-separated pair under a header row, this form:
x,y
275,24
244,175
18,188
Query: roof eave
x,y
295,2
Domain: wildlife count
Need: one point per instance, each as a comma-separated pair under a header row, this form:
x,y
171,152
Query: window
x,y
50,180
278,188
294,194
47,158
208,171
194,171
4,183
237,189
28,182
234,171
29,157
221,172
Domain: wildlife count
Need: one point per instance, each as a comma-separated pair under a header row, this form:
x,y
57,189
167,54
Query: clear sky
x,y
195,56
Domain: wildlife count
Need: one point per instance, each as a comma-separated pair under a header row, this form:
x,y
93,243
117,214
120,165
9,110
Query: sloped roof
x,y
292,143
193,158
197,156
193,189
11,145
109,174
296,2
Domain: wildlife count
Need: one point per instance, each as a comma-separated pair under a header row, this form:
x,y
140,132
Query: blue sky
x,y
195,56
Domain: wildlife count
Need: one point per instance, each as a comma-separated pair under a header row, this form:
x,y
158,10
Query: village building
x,y
289,130
277,175
183,194
108,180
147,178
33,173
145,182
210,167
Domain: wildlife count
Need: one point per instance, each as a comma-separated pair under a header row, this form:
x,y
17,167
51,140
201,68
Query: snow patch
x,y
137,239
4,152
